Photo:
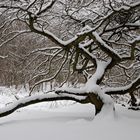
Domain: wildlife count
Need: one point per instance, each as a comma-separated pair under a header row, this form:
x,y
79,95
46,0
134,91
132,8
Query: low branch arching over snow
x,y
26,101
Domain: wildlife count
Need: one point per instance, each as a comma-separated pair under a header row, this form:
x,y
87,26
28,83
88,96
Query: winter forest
x,y
80,56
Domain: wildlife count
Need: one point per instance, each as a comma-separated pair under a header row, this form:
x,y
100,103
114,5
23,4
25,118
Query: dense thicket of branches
x,y
94,41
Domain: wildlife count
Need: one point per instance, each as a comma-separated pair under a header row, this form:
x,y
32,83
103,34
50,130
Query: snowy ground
x,y
73,122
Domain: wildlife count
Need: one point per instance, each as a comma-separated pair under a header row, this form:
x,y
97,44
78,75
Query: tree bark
x,y
95,100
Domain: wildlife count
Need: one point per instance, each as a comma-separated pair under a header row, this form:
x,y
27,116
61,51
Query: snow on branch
x,y
82,46
135,41
71,91
91,85
97,76
10,108
53,37
3,57
125,89
44,50
111,52
92,90
128,6
43,9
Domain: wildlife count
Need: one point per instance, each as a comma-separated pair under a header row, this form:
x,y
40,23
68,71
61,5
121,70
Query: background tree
x,y
97,39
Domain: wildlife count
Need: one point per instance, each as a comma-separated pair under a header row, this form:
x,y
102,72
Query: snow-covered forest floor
x,y
67,122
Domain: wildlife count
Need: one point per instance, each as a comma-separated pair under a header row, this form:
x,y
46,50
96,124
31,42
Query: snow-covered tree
x,y
98,39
